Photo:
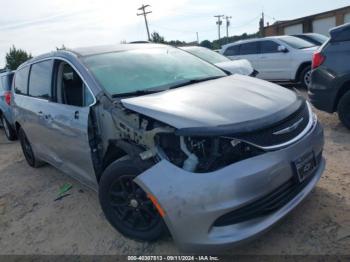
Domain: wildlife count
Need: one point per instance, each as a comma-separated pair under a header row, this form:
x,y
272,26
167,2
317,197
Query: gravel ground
x,y
31,222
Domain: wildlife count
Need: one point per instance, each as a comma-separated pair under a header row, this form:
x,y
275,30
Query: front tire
x,y
305,77
125,204
9,131
28,151
344,109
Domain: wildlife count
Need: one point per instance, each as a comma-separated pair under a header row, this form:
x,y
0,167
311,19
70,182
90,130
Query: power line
x,y
144,13
156,25
247,22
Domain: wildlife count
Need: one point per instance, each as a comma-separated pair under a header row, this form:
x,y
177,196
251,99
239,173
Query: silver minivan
x,y
170,142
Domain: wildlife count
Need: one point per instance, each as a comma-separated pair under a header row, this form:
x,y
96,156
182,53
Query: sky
x,y
39,26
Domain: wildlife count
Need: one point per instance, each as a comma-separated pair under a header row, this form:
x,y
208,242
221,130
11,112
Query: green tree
x,y
207,44
157,38
15,57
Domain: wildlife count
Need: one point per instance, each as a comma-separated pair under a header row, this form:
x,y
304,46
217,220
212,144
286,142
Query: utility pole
x,y
144,13
227,18
261,25
197,38
219,23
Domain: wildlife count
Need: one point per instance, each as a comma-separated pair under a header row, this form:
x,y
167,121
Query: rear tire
x,y
9,131
125,204
344,109
305,77
28,151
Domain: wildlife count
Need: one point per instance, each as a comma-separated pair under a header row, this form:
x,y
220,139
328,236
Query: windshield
x,y
319,38
296,42
206,54
149,68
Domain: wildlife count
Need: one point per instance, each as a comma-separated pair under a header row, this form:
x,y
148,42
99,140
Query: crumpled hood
x,y
240,66
225,101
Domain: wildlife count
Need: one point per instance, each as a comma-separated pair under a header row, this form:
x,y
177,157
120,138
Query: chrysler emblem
x,y
290,128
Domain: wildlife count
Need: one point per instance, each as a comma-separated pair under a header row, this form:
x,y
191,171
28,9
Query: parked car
x,y
241,66
330,84
5,104
170,141
314,38
276,58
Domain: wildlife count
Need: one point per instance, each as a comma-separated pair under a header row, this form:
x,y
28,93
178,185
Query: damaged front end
x,y
204,154
157,141
205,150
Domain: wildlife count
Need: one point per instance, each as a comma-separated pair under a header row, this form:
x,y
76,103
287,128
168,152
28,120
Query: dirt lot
x,y
31,222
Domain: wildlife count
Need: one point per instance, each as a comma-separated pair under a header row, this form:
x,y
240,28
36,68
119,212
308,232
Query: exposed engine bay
x,y
205,154
158,141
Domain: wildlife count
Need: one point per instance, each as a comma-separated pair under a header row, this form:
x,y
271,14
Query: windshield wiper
x,y
186,82
136,93
181,83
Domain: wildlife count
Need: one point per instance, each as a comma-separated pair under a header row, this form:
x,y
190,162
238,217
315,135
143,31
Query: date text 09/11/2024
x,y
173,258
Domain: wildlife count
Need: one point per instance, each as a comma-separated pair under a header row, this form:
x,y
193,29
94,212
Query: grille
x,y
267,204
265,137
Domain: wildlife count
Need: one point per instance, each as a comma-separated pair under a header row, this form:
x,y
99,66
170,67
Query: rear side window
x,y
343,35
7,82
232,50
268,47
249,48
21,81
40,79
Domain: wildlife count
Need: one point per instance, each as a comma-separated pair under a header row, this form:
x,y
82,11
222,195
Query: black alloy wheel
x,y
126,205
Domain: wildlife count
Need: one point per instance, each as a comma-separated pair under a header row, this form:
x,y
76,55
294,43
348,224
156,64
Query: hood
x,y
241,66
225,101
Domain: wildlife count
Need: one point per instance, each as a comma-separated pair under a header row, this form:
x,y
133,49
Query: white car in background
x,y
277,58
241,66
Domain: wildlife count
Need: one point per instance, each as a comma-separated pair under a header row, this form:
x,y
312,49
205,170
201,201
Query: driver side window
x,y
70,89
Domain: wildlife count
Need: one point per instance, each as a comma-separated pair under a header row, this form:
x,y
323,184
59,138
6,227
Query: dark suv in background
x,y
5,102
330,79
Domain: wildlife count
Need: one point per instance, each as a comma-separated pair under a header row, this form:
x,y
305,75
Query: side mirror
x,y
282,48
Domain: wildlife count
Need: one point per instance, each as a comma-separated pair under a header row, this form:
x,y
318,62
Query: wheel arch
x,y
117,149
17,126
112,153
342,90
301,67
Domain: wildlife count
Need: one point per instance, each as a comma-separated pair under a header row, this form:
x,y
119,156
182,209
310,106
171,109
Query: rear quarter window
x,y
40,80
21,81
1,84
6,82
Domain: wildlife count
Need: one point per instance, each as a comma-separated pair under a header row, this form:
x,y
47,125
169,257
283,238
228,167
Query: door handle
x,y
76,115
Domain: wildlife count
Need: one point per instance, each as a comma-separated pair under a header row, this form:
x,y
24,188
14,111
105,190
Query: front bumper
x,y
194,201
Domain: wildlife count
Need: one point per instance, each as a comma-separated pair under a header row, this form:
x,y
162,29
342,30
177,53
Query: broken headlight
x,y
205,154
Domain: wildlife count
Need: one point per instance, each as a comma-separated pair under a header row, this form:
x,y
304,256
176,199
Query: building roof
x,y
296,20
